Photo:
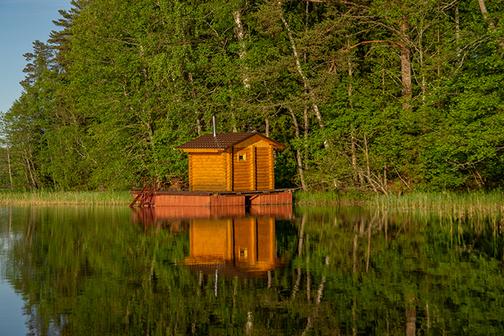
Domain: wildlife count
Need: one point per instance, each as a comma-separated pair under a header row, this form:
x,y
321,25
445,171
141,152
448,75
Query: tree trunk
x,y
239,32
301,73
306,127
405,66
193,95
31,174
457,30
357,175
411,321
299,160
11,184
489,21
350,77
233,117
484,12
368,166
423,84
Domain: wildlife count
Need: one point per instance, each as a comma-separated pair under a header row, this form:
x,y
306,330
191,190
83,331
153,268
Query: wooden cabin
x,y
231,162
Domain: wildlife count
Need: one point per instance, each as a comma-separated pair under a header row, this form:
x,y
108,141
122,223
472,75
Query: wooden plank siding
x,y
247,165
242,170
208,172
271,169
263,168
229,170
253,170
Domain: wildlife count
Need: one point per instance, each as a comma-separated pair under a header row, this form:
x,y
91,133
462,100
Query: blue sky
x,y
21,23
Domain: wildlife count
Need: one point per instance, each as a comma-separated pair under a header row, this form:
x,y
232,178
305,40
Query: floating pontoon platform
x,y
153,198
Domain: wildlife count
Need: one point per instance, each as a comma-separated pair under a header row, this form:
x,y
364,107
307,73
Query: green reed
x,y
444,202
458,205
65,198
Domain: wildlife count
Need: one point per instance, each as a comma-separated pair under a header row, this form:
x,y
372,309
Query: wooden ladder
x,y
144,198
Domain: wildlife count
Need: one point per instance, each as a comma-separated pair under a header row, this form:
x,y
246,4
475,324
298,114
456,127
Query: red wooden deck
x,y
209,199
171,200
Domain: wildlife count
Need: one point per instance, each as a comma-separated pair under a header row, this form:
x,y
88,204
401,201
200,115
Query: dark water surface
x,y
347,271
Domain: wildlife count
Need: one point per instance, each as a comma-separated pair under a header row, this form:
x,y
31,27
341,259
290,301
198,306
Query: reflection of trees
x,y
406,273
351,272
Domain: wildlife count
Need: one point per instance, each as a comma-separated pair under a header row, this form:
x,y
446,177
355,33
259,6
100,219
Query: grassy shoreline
x,y
65,198
423,201
455,202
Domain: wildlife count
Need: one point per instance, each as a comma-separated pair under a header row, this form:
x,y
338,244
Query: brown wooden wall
x,y
257,171
207,172
264,168
224,171
242,170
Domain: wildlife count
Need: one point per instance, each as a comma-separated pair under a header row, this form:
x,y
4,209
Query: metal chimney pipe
x,y
214,126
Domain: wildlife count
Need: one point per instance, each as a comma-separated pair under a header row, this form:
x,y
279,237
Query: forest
x,y
376,96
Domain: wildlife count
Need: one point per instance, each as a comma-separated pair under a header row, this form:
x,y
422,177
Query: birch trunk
x,y
301,73
193,95
484,12
239,32
357,175
299,160
306,127
421,60
489,21
457,30
32,181
350,76
405,66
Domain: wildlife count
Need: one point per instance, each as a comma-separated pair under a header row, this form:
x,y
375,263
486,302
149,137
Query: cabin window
x,y
243,253
242,157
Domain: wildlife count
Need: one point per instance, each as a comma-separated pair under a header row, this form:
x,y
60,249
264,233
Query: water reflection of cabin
x,y
231,162
234,245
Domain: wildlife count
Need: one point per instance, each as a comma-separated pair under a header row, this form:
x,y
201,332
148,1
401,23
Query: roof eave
x,y
202,150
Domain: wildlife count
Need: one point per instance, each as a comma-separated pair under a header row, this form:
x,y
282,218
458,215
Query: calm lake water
x,y
345,271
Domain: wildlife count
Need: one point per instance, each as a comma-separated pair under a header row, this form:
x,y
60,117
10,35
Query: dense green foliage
x,y
347,271
368,95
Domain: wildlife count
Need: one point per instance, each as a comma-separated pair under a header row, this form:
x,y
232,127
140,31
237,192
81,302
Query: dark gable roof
x,y
221,141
